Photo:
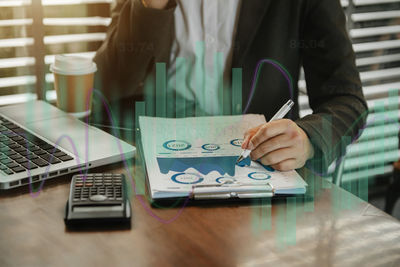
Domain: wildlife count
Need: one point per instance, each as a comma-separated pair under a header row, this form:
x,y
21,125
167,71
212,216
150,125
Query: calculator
x,y
98,199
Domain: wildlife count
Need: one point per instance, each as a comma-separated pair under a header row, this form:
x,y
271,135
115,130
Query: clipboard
x,y
227,190
200,189
224,193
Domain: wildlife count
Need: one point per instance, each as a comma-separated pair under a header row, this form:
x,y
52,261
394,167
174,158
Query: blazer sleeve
x,y
136,39
333,83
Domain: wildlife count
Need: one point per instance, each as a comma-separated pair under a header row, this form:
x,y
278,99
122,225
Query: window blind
x,y
374,28
33,31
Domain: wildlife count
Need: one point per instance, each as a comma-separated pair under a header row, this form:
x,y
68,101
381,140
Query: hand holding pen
x,y
279,143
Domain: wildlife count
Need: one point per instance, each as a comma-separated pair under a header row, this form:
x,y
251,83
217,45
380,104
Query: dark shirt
x,y
295,33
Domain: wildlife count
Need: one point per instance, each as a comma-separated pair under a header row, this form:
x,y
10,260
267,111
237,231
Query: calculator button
x,y
98,198
78,184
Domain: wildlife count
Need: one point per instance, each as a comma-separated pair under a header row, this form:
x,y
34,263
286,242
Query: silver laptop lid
x,y
89,144
68,132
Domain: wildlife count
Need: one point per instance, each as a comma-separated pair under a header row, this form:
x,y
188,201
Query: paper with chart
x,y
180,153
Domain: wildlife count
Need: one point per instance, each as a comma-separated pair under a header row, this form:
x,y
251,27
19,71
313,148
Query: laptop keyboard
x,y
21,150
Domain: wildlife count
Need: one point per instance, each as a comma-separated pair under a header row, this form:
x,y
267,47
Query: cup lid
x,y
72,65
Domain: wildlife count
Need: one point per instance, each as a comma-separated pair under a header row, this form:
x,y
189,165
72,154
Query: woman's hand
x,y
157,4
280,144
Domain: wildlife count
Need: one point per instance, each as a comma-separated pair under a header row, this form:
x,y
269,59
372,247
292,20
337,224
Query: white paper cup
x,y
73,82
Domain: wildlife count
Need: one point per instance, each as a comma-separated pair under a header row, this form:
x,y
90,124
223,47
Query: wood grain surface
x,y
333,228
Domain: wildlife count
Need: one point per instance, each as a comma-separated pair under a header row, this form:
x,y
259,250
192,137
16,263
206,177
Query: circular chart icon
x,y
221,180
187,178
177,145
210,147
259,175
237,142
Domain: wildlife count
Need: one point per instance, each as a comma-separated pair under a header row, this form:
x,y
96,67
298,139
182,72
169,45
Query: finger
x,y
249,134
267,131
274,143
278,155
245,143
286,165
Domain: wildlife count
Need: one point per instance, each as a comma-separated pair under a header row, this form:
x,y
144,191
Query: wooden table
x,y
336,229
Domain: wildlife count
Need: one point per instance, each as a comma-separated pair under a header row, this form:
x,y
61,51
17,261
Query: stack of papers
x,y
183,153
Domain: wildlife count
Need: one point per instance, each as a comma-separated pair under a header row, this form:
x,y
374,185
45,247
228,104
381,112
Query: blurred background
x,y
33,31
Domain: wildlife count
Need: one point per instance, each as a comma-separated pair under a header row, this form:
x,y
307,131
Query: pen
x,y
279,115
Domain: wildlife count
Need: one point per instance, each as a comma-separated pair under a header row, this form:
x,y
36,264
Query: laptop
x,y
38,142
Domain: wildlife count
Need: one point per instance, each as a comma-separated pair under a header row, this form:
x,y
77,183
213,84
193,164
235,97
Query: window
x,y
33,31
374,28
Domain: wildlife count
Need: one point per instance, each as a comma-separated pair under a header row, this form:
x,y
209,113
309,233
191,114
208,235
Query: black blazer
x,y
295,33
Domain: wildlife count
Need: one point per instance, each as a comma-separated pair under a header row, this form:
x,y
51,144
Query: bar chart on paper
x,y
180,153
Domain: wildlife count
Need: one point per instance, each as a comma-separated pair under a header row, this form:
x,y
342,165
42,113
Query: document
x,y
182,153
